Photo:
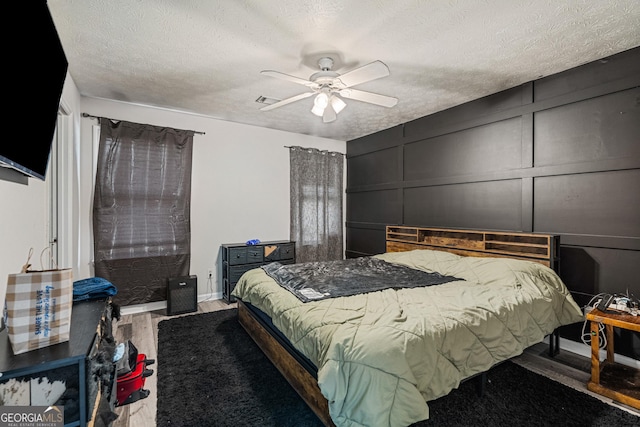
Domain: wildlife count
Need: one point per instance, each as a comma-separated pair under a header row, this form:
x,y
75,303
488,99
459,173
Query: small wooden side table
x,y
614,380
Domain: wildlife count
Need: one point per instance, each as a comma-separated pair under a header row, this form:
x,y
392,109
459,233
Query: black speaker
x,y
182,295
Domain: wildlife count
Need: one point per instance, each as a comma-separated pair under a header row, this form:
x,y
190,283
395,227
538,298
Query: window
x,y
316,204
141,212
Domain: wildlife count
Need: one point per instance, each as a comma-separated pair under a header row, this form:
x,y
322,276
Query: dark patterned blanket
x,y
312,281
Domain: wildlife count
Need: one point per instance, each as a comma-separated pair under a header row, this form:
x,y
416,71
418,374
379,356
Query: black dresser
x,y
237,258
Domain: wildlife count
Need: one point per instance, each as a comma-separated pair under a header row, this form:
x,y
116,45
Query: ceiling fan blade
x,y
366,73
287,101
371,98
329,114
287,77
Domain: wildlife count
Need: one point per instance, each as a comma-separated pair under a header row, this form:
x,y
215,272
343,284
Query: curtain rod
x,y
96,117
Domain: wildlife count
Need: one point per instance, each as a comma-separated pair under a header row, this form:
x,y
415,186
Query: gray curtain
x,y
316,203
141,208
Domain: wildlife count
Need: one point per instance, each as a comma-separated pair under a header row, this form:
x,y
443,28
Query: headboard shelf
x,y
537,247
403,234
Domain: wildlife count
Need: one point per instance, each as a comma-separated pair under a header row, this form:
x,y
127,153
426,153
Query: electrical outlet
x,y
210,272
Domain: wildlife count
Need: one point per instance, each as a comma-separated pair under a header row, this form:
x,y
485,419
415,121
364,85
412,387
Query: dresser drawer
x,y
237,255
254,253
287,251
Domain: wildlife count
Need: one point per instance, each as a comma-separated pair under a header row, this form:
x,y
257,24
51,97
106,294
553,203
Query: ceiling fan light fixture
x,y
320,103
329,114
322,100
337,103
317,110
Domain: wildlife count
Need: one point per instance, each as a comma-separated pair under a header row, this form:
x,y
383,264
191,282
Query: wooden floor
x,y
142,329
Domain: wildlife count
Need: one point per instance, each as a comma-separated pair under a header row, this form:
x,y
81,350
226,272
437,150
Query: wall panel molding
x,y
557,155
553,170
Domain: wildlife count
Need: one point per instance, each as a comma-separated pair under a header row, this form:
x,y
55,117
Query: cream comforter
x,y
382,356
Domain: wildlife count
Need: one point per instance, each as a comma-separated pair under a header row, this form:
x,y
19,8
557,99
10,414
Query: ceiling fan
x,y
330,87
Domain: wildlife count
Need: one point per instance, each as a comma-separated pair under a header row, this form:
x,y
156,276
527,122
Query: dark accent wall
x,y
557,155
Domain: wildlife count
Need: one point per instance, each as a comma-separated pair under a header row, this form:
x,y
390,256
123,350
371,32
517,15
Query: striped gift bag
x,y
38,308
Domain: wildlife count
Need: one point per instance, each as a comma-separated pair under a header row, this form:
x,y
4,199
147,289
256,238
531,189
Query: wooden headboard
x,y
536,247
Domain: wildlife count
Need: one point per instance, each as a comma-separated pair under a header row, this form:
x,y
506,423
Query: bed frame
x,y
536,247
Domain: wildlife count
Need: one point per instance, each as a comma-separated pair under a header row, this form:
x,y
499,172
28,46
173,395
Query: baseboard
x,y
143,308
210,296
585,351
162,305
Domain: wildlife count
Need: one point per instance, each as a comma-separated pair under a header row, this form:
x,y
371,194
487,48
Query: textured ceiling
x,y
205,57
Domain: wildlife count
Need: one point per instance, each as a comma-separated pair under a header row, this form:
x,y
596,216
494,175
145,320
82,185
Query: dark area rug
x,y
211,373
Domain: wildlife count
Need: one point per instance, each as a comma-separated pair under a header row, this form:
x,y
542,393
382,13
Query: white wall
x,y
24,210
240,182
22,226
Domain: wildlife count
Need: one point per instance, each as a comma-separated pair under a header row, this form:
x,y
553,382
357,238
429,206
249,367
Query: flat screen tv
x,y
38,74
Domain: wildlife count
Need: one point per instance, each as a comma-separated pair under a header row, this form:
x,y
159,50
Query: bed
x,y
378,358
